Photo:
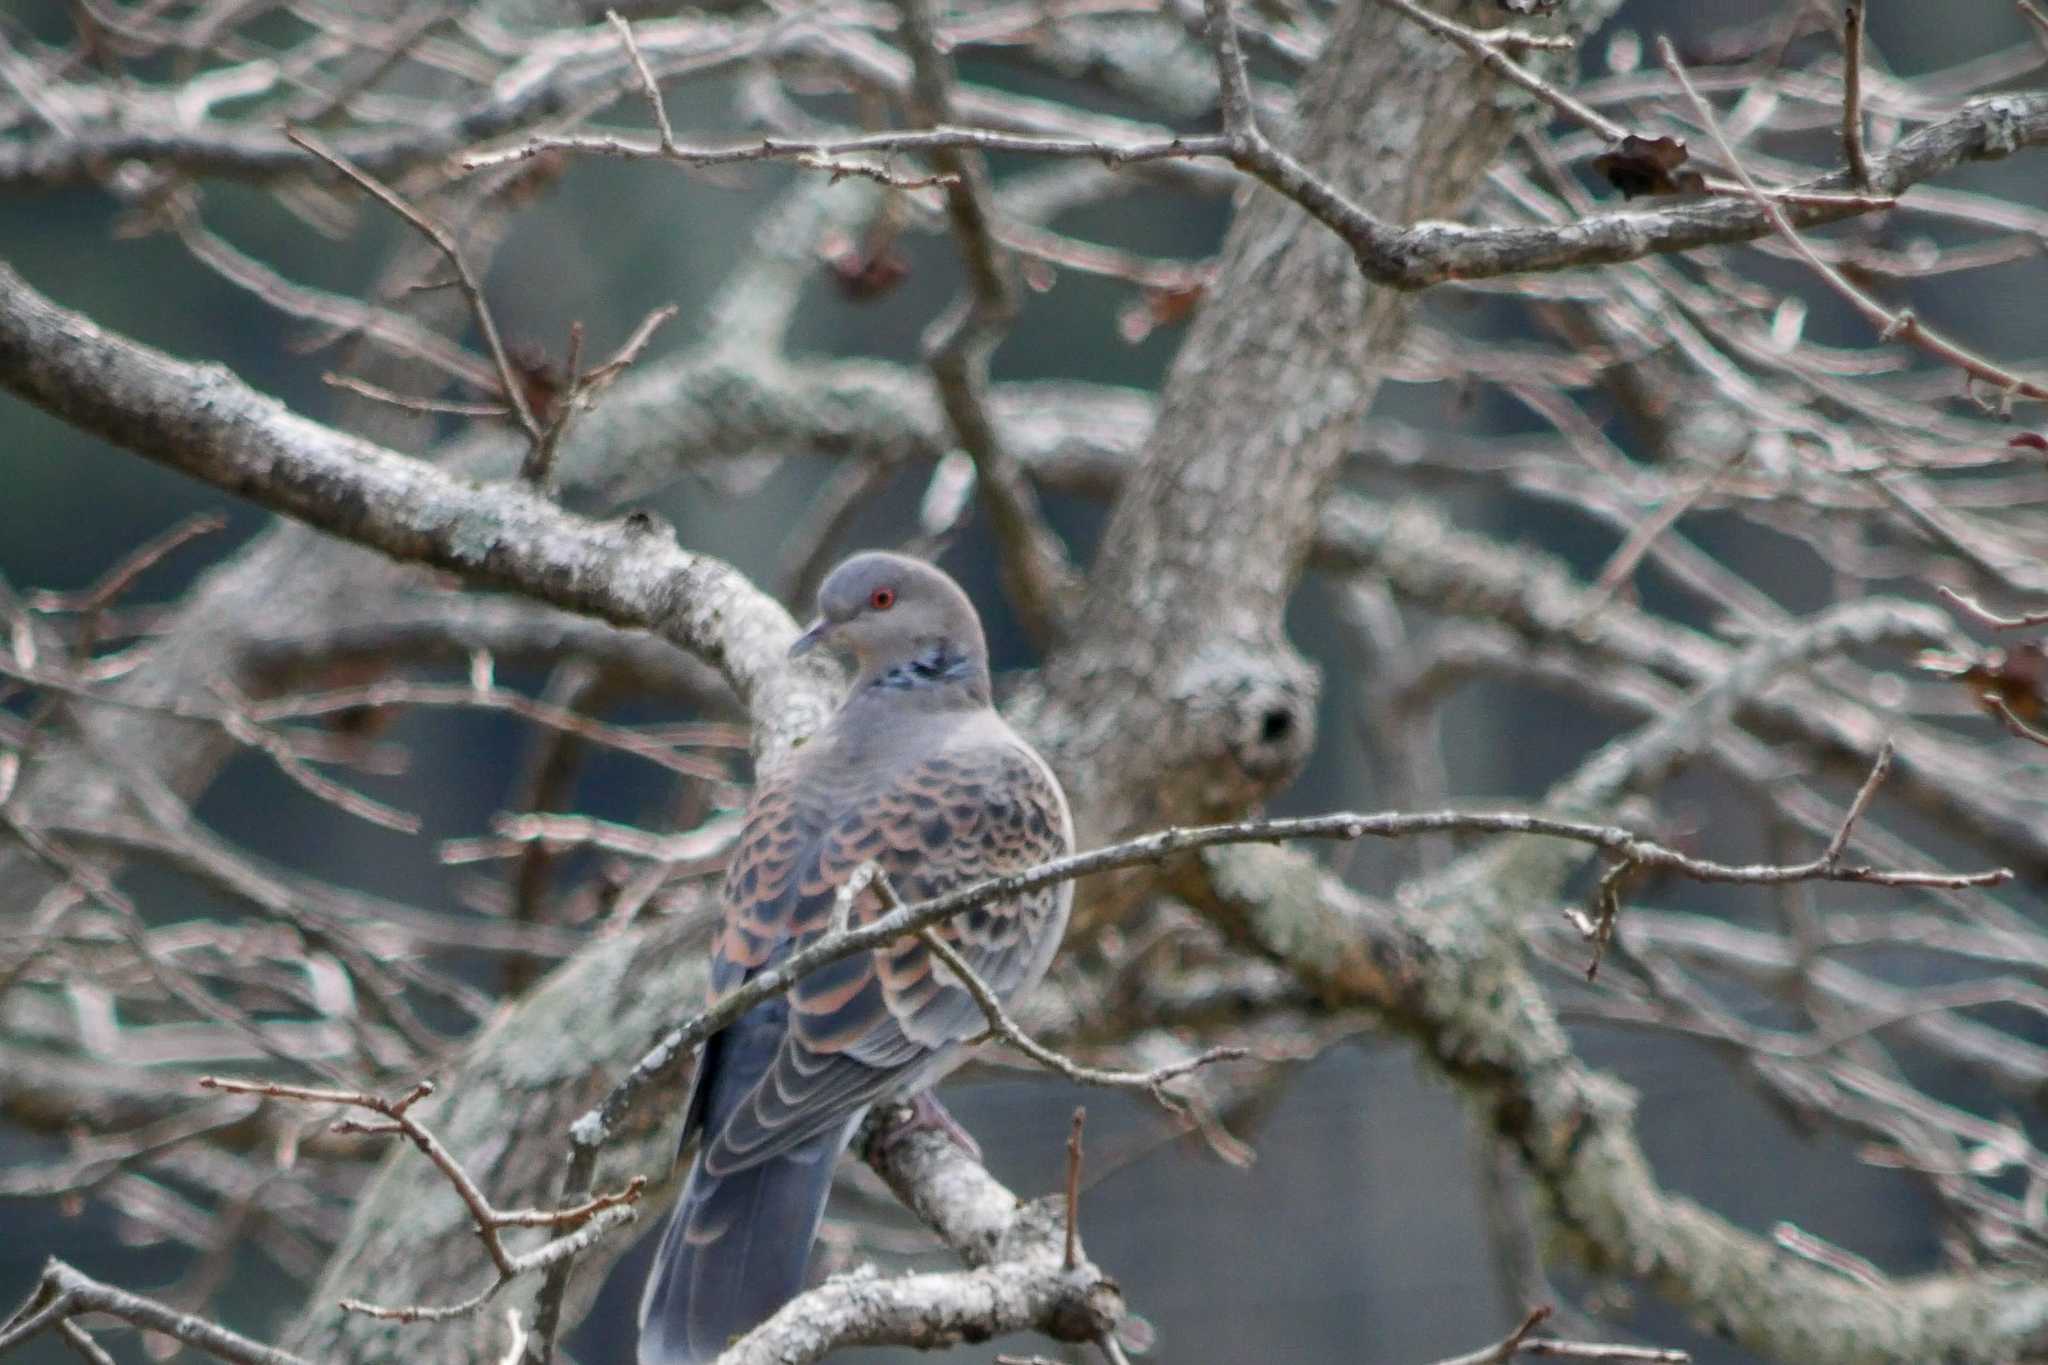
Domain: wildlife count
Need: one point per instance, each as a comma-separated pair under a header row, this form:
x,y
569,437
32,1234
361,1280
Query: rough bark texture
x,y
204,421
1436,971
1182,690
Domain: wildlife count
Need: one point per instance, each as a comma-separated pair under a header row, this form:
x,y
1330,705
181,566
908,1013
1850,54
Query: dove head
x,y
903,623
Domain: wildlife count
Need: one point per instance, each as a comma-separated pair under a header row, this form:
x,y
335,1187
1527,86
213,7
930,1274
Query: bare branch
x,y
585,1222
931,1311
1521,1342
509,385
1984,616
648,86
1494,49
1002,1026
63,1292
200,420
1889,324
1631,850
1852,93
1041,580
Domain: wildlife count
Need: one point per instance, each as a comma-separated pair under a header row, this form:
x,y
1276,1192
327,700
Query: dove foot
x,y
924,1114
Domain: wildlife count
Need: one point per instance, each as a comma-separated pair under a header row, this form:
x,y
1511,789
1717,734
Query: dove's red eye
x,y
881,599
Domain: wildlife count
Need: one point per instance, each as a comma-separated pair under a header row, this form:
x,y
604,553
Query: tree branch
x,y
1019,1278
64,1293
203,421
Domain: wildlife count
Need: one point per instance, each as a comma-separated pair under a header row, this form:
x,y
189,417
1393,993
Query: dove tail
x,y
734,1251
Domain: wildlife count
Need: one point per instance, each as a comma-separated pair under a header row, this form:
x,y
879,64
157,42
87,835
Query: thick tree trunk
x,y
1182,691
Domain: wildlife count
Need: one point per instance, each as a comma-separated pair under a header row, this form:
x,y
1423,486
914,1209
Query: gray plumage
x,y
917,773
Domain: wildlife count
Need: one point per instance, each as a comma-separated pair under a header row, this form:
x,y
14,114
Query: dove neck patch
x,y
934,665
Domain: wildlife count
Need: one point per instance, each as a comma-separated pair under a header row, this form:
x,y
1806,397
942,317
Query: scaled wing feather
x,y
862,1028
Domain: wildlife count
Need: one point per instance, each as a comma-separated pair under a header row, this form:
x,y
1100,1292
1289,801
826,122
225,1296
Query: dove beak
x,y
820,631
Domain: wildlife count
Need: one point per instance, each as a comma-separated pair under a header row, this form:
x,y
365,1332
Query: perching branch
x,y
1630,849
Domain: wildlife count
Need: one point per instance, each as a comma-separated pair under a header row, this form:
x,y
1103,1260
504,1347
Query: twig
x,y
173,979
821,154
1880,769
1520,1342
586,1220
1987,618
551,831
290,753
1900,325
2036,16
1507,1346
64,1293
1233,83
515,1347
1002,1026
1804,1244
363,388
999,1021
558,1251
1073,1247
648,87
1093,258
538,467
1040,579
545,782
629,352
92,1160
472,289
1828,866
1381,251
581,387
80,1340
337,315
1629,554
1631,849
881,175
1112,1349
1491,48
2014,726
248,721
850,890
808,547
237,723
1852,93
1372,242
90,604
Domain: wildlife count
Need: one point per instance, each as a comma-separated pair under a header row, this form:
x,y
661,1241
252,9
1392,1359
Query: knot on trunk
x,y
1248,719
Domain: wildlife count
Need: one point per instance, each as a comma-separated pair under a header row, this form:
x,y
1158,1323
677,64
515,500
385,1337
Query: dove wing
x,y
878,1023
